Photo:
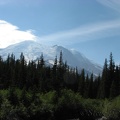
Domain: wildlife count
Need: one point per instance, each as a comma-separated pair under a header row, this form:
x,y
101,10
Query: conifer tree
x,y
90,90
114,90
82,83
42,62
41,72
96,85
111,74
60,71
103,89
1,70
86,89
54,75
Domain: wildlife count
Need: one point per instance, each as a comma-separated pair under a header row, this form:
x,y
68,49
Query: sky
x,y
91,27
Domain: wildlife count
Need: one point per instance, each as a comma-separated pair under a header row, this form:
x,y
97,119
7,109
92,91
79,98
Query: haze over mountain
x,y
32,51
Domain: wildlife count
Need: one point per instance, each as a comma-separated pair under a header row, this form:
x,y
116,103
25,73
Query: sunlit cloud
x,y
114,4
11,34
84,33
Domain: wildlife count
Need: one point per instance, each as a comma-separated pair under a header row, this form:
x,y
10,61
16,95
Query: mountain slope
x,y
33,50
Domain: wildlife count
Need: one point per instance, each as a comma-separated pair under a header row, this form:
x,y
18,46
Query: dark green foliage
x,y
86,89
50,106
104,89
34,90
82,83
90,87
44,78
115,86
111,108
110,83
12,96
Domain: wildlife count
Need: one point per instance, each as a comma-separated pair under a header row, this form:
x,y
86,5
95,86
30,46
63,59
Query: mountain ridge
x,y
32,51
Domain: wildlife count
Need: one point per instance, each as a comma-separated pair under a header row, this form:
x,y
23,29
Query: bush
x,y
5,110
112,109
69,105
54,106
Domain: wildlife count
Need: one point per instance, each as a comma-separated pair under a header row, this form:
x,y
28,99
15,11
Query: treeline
x,y
37,75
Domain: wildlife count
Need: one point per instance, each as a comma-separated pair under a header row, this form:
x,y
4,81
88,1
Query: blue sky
x,y
89,26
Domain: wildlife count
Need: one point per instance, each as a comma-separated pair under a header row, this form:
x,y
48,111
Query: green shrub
x,y
112,109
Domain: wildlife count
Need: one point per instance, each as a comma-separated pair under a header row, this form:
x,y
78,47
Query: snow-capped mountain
x,y
33,50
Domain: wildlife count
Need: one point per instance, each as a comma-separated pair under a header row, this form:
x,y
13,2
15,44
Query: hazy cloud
x,y
114,4
85,32
10,34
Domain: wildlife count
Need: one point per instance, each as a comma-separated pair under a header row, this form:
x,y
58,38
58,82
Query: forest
x,y
36,90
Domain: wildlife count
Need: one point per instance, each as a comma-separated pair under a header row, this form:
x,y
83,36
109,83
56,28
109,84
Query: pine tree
x,y
61,59
114,90
86,89
111,73
42,62
22,71
82,83
60,71
96,85
54,75
104,89
12,69
41,73
90,88
1,68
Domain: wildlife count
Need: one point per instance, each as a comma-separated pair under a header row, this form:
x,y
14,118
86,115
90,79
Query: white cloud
x,y
84,33
114,4
10,34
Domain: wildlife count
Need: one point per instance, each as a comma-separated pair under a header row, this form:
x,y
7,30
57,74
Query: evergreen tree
x,y
82,83
41,72
87,81
96,85
7,70
12,96
61,59
90,88
111,74
42,62
114,90
12,69
104,89
60,71
54,75
22,71
2,72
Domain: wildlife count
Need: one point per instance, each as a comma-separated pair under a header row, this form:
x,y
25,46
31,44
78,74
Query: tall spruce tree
x,y
111,74
22,71
60,71
114,90
104,89
96,85
54,75
90,90
86,89
82,83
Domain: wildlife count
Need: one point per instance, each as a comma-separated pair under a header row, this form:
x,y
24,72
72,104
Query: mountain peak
x,y
32,51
